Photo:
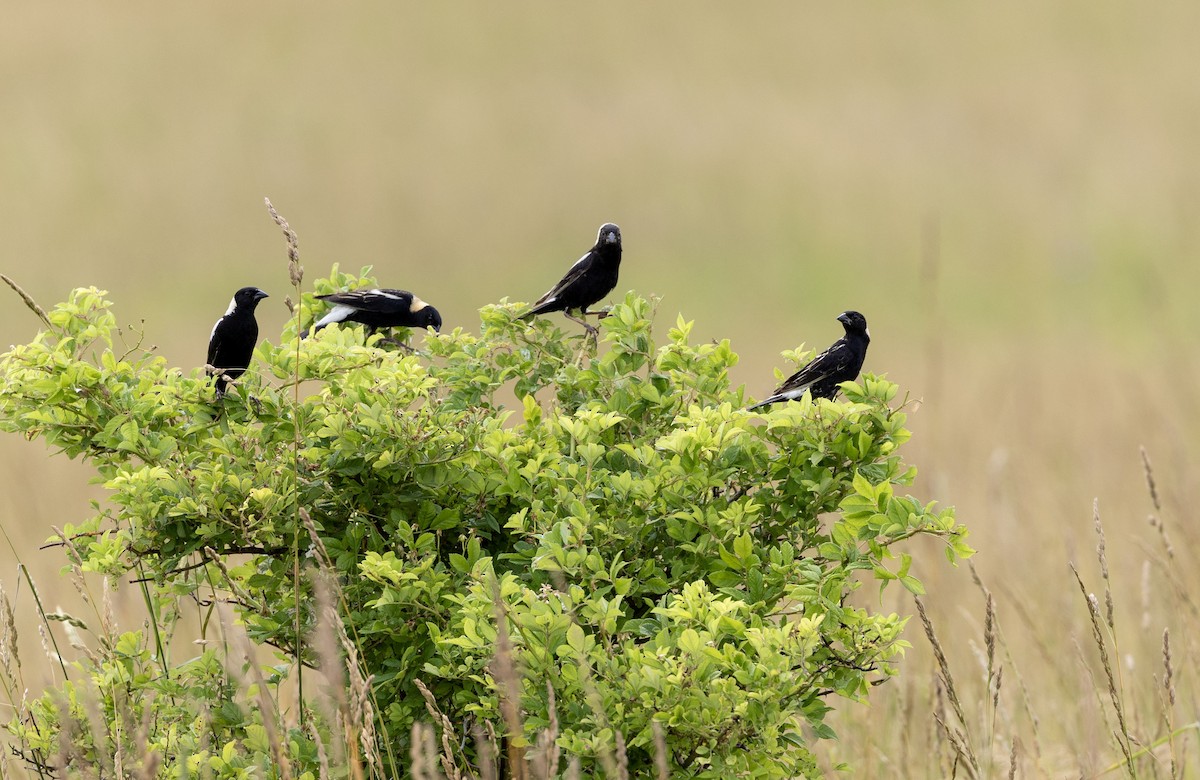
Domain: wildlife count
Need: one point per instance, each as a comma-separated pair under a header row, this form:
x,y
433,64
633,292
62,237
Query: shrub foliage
x,y
591,541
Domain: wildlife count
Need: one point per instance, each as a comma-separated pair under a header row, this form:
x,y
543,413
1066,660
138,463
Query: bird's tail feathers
x,y
538,308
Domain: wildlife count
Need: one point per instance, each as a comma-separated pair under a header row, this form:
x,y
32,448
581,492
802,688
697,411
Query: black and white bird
x,y
840,363
234,337
591,278
378,307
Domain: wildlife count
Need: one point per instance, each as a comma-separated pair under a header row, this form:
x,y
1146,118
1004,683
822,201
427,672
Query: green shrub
x,y
667,572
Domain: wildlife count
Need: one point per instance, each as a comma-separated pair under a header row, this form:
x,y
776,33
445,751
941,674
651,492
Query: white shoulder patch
x,y
383,294
416,305
338,313
232,306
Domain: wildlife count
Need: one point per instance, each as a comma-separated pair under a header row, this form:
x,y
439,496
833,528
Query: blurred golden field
x,y
1010,193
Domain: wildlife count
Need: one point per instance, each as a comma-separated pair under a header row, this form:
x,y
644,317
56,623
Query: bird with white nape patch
x,y
377,308
233,338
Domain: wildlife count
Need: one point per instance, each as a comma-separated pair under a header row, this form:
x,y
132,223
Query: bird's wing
x,y
377,300
837,357
214,341
577,270
338,313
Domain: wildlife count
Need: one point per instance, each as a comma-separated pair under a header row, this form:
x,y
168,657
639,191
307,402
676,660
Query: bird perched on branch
x,y
591,278
377,308
233,338
840,363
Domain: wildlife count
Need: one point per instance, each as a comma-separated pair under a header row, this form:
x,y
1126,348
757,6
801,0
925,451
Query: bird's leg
x,y
397,343
387,339
589,328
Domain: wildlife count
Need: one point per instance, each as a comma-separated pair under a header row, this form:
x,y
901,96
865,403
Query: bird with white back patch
x,y
377,308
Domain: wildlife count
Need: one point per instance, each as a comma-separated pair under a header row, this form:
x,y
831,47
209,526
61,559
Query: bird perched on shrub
x,y
233,338
840,363
377,308
591,278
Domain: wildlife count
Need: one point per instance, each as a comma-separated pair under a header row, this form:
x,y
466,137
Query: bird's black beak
x,y
843,318
259,295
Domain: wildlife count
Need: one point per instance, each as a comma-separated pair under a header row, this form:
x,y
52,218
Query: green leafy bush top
x,y
658,559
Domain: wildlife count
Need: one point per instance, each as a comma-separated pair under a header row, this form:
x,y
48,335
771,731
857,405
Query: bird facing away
x,y
234,337
840,363
378,308
591,278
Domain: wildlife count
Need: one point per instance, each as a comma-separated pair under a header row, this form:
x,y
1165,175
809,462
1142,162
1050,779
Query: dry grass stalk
x,y
508,688
622,757
545,763
29,301
318,546
118,759
150,765
962,746
421,752
359,706
1169,678
1169,704
269,712
295,270
1103,558
1027,706
996,683
55,658
150,758
485,753
1148,470
68,734
1095,688
989,635
108,617
1123,739
90,698
330,699
449,765
10,657
362,707
660,752
327,640
937,735
1157,524
322,756
1012,760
